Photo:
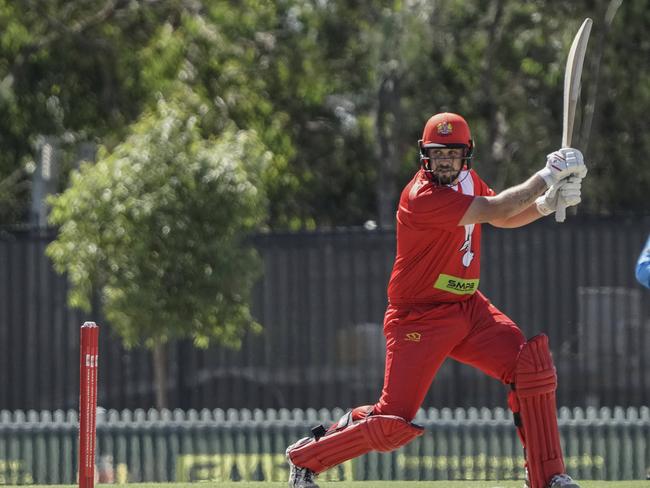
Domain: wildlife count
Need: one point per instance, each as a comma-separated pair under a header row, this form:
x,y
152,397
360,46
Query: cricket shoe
x,y
562,481
557,481
300,477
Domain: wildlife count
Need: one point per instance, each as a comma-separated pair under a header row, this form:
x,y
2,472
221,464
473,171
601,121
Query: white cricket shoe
x,y
562,481
300,477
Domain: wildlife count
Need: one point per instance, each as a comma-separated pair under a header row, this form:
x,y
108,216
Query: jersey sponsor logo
x,y
413,336
444,128
458,286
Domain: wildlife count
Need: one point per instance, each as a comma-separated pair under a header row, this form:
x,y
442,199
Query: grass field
x,y
366,484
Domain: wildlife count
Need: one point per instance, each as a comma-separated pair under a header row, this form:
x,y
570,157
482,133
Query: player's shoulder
x,y
475,176
420,192
482,188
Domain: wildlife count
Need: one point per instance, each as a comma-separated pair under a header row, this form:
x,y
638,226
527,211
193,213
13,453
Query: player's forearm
x,y
506,204
514,200
528,215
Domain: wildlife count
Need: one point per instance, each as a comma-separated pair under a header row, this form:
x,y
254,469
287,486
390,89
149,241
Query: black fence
x,y
321,301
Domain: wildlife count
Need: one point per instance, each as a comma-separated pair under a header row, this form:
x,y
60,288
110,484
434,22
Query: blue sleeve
x,y
643,266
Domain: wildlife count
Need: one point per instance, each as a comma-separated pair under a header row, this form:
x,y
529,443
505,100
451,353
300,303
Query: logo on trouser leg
x,y
413,336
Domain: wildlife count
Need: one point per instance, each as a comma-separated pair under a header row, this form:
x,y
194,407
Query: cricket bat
x,y
572,75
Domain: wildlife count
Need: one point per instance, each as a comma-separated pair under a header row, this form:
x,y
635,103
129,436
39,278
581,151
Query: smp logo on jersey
x,y
413,336
456,285
444,128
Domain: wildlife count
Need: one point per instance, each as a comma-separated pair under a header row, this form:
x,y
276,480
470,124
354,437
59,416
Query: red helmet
x,y
446,130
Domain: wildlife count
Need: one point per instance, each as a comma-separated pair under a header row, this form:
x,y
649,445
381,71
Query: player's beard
x,y
445,178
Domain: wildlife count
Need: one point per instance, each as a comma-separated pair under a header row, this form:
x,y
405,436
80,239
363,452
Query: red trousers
x,y
420,337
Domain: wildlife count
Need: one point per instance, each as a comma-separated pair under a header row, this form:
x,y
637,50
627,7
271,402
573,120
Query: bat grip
x,y
560,212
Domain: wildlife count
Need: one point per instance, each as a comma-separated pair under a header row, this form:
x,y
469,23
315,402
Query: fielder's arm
x,y
643,266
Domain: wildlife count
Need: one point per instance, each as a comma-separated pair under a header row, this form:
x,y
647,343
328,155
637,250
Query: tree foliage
x,y
338,91
156,226
71,70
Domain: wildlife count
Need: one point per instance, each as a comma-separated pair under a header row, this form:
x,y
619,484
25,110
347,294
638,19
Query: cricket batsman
x,y
435,309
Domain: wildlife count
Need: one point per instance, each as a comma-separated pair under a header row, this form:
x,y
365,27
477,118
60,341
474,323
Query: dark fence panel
x,y
321,301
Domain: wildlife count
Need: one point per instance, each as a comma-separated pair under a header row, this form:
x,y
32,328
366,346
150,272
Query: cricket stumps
x,y
89,359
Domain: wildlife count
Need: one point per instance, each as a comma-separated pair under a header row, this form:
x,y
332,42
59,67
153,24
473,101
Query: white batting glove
x,y
566,191
562,163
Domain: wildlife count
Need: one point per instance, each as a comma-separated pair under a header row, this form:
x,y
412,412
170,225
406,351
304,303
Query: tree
x,y
618,93
76,71
156,229
337,90
276,67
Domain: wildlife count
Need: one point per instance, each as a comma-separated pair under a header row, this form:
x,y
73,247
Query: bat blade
x,y
572,75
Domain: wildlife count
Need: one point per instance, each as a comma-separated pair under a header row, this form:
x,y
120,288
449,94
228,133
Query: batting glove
x,y
562,163
567,190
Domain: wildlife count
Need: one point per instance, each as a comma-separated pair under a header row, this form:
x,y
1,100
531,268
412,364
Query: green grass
x,y
364,484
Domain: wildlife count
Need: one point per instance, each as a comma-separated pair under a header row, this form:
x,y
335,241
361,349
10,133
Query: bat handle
x,y
560,212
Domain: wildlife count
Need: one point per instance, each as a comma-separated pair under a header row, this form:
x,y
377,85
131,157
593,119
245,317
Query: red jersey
x,y
437,260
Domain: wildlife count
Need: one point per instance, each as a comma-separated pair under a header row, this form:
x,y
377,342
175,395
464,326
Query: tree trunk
x,y
592,95
387,120
496,124
160,374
